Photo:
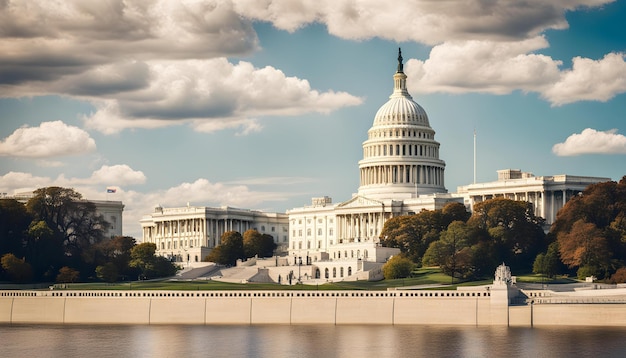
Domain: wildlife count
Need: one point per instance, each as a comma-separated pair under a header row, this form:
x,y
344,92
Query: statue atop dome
x,y
400,65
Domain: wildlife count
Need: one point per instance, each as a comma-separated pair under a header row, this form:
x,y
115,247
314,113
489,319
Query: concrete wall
x,y
295,307
245,307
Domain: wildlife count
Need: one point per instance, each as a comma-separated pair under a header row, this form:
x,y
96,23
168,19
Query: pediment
x,y
359,202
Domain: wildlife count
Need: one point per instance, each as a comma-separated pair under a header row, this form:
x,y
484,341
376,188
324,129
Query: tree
x,y
150,266
591,229
18,270
412,234
73,219
75,224
67,275
257,244
513,228
585,246
14,221
453,251
548,263
397,267
229,250
115,251
107,272
619,276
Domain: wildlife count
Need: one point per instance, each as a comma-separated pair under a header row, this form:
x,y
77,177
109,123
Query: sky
x,y
265,104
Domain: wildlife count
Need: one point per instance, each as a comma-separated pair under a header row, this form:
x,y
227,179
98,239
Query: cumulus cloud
x,y
483,66
590,80
49,139
591,141
213,94
504,67
428,22
45,40
13,182
117,175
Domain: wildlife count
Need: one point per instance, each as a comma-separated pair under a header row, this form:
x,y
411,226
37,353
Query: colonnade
x,y
189,233
413,150
402,174
361,226
546,203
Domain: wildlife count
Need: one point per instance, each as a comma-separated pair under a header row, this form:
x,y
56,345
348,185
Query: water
x,y
309,341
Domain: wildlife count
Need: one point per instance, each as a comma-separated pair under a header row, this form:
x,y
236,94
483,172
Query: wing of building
x,y
187,234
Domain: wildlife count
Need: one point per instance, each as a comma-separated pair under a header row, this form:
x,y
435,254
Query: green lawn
x,y
422,276
537,278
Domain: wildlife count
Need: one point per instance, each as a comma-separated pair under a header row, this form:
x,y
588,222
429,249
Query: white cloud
x,y
483,66
117,175
213,94
504,67
13,182
590,80
424,21
44,40
50,139
591,141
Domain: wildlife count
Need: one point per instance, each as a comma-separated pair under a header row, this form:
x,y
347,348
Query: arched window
x,y
326,272
317,273
349,270
334,272
341,272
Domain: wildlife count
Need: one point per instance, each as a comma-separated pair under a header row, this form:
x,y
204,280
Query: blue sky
x,y
265,104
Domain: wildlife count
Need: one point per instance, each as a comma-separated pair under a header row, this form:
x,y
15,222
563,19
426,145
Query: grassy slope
x,y
422,276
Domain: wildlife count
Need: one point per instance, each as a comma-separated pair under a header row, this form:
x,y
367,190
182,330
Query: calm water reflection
x,y
309,341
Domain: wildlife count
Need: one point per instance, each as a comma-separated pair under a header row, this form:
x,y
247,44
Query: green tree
x,y
397,267
413,234
548,263
17,270
115,251
67,275
150,266
74,221
107,272
229,250
453,251
14,221
257,244
517,234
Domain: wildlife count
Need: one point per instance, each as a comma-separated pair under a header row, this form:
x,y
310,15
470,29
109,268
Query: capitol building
x,y
401,173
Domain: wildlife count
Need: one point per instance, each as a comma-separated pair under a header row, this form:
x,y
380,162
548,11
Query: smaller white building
x,y
548,194
111,211
187,234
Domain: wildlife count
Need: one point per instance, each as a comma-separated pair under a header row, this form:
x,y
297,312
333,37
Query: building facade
x,y
548,194
187,234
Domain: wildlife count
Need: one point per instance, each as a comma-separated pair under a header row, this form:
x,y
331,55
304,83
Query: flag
x,y
111,190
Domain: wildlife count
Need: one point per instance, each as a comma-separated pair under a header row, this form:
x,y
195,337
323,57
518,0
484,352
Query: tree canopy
x,y
229,250
591,230
59,236
257,244
412,234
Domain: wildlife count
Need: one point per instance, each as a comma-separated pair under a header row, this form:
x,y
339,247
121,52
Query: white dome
x,y
401,110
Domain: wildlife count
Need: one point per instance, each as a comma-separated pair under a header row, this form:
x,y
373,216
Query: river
x,y
325,341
